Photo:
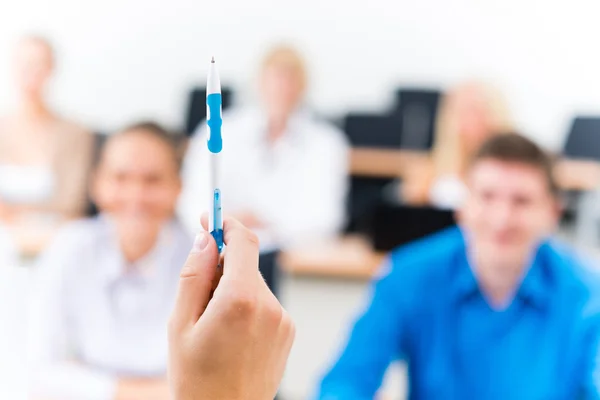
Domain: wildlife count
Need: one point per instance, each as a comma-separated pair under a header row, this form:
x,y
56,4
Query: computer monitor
x,y
373,130
395,225
583,140
417,110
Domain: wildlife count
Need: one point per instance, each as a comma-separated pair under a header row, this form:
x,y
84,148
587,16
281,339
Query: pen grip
x,y
214,122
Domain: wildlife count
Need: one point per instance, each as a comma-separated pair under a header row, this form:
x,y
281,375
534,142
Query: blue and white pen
x,y
214,121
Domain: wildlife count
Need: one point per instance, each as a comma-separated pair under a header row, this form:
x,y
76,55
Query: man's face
x,y
137,182
508,211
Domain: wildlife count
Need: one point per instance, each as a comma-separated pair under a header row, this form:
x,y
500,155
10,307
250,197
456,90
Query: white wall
x,y
125,59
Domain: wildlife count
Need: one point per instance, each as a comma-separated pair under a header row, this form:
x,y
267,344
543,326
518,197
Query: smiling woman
x,y
110,313
140,195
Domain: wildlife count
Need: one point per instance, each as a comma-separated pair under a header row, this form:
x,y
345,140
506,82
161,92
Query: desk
x,y
383,163
579,175
390,163
346,257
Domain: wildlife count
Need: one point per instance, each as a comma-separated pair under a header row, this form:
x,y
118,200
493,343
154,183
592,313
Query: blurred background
x,y
119,61
378,75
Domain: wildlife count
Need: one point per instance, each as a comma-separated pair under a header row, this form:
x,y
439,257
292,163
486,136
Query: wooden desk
x,y
345,257
389,163
577,174
383,163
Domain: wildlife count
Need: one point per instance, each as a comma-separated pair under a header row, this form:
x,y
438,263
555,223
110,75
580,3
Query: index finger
x,y
241,258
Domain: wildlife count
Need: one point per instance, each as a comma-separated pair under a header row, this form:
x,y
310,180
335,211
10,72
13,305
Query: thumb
x,y
195,283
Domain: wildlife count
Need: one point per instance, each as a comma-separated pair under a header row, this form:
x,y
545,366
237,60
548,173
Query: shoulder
x,y
236,123
74,134
77,238
182,240
324,132
83,230
575,275
72,250
245,117
73,128
238,115
427,260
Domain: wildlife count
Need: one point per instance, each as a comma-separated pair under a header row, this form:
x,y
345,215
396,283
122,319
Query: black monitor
x,y
373,130
417,109
395,225
583,140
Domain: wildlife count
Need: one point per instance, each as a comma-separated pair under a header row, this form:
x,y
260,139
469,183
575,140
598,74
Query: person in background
x,y
8,252
107,284
44,158
469,114
493,309
283,171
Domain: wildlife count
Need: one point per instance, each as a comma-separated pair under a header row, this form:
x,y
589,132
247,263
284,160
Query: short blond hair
x,y
288,57
450,152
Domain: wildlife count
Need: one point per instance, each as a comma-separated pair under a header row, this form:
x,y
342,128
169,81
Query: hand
x,y
416,184
234,345
249,219
142,389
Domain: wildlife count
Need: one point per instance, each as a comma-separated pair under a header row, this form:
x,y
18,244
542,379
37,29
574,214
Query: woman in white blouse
x,y
106,285
283,171
469,114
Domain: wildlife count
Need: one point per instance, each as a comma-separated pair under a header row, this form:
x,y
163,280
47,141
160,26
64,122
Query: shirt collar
x,y
115,265
465,283
532,289
294,123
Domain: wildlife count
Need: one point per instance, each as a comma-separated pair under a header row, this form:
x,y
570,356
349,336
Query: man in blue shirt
x,y
489,310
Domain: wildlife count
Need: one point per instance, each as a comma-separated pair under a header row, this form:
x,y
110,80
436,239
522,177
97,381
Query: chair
x,y
394,225
583,139
583,143
417,110
373,130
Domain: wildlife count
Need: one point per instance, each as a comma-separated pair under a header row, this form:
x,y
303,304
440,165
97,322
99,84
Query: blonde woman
x,y
44,158
469,114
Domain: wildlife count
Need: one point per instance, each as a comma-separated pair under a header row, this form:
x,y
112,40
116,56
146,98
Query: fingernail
x,y
200,242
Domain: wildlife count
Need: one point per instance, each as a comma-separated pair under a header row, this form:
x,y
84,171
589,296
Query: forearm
x,y
142,389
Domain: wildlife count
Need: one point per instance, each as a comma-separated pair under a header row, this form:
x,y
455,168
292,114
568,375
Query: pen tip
x,y
212,60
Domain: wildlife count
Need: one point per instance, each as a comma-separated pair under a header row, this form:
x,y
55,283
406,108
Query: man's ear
x,y
459,214
558,208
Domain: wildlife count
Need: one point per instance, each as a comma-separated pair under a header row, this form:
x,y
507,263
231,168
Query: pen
x,y
214,121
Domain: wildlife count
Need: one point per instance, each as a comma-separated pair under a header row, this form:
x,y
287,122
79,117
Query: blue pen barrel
x,y
214,123
217,232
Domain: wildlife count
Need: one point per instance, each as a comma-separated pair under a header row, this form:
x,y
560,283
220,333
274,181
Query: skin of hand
x,y
233,344
142,389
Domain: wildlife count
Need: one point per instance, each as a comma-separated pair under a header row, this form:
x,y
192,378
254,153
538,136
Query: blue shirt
x,y
427,308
